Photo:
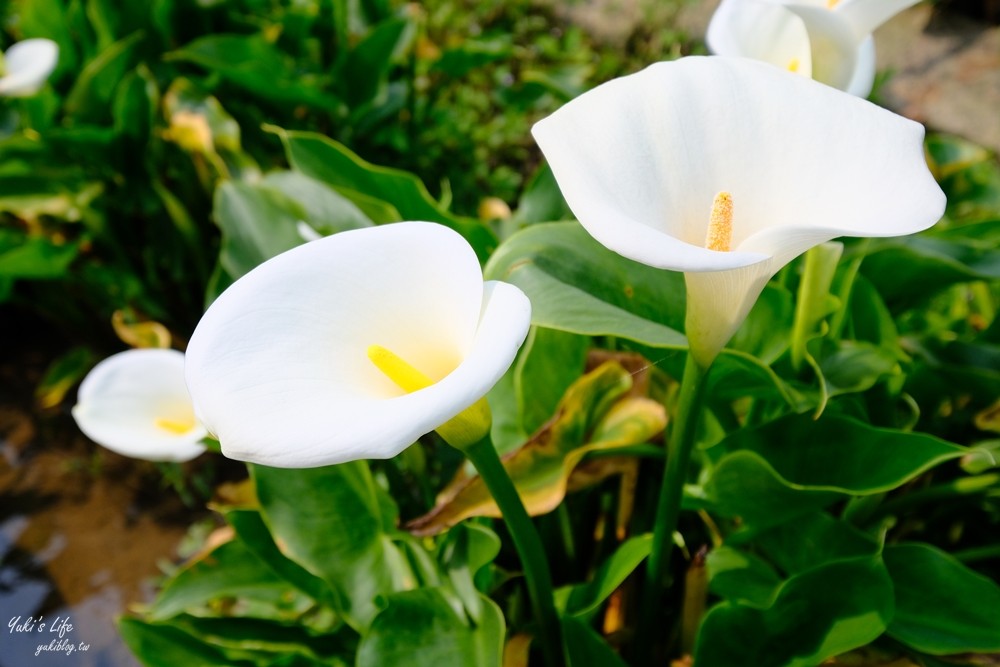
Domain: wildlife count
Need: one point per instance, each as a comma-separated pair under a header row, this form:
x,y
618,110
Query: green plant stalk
x,y
529,546
682,438
820,264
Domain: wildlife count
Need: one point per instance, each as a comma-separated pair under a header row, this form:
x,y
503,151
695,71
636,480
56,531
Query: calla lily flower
x,y
828,40
727,169
353,346
135,403
26,65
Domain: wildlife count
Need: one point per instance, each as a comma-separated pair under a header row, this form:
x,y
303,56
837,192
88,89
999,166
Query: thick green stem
x,y
529,546
682,438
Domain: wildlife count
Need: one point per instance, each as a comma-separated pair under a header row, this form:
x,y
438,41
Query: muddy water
x,y
81,528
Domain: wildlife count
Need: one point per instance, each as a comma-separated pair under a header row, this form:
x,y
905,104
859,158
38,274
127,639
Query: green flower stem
x,y
529,546
682,437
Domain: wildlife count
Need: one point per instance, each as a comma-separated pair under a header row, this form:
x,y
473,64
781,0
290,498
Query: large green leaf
x,y
837,453
333,163
253,533
577,285
941,606
420,628
257,224
327,211
329,521
815,615
230,570
796,464
159,645
741,577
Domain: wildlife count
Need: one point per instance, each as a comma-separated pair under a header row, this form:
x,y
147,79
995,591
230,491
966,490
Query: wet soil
x,y
81,528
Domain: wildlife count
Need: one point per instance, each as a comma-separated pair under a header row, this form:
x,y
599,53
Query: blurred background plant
x,y
179,143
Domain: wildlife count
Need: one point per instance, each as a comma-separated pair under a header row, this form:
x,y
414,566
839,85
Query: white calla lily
x,y
828,40
642,161
291,365
136,404
26,65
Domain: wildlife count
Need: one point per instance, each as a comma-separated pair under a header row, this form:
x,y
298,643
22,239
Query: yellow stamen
x,y
176,426
793,65
396,369
720,224
830,4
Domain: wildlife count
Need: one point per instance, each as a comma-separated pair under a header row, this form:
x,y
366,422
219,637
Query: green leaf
x,y
815,615
744,485
741,577
465,550
159,645
329,521
577,285
582,600
256,223
254,64
92,92
840,454
334,164
229,570
253,533
942,606
585,647
548,362
422,629
258,639
796,464
33,258
326,210
541,201
813,539
908,270
367,65
62,374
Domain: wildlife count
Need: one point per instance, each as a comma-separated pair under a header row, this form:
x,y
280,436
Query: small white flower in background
x,y
828,40
727,169
25,66
353,346
135,403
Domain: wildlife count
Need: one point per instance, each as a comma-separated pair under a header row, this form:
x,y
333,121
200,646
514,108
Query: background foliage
x,y
846,497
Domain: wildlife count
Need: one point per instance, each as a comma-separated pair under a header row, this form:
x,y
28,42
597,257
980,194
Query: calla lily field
x,y
477,341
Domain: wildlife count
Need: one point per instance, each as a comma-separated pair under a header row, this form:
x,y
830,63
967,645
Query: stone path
x,y
946,68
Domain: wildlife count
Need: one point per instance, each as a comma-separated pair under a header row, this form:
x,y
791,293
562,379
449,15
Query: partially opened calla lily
x,y
828,40
135,403
353,346
25,66
727,169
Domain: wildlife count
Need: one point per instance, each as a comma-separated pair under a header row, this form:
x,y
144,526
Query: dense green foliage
x,y
846,485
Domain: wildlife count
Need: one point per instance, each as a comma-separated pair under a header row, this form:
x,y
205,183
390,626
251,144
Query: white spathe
x,y
279,370
136,404
26,66
829,41
641,158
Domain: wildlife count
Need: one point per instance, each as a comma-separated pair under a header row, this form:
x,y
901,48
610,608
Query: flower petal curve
x,y
278,367
644,155
864,69
762,31
28,64
123,397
